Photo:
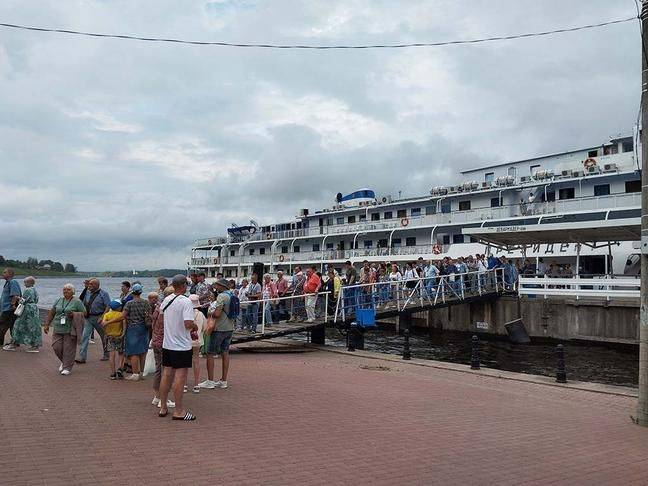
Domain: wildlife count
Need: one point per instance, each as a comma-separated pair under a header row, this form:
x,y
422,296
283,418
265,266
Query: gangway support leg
x,y
318,335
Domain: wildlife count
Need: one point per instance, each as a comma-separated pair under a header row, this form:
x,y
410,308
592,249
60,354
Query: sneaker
x,y
220,384
60,367
185,389
80,361
65,372
9,347
209,384
92,341
33,349
113,376
134,377
170,404
196,389
155,401
120,375
310,320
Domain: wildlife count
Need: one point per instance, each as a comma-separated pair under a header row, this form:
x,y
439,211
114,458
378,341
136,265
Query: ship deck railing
x,y
601,287
518,209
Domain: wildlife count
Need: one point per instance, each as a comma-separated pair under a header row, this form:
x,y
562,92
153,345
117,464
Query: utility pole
x,y
642,407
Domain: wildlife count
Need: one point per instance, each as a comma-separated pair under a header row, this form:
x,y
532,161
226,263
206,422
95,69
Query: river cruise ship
x,y
594,185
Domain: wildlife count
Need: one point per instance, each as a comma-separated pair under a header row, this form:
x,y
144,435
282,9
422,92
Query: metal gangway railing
x,y
598,287
399,295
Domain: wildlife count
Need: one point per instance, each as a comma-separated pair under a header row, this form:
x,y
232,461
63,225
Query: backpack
x,y
234,307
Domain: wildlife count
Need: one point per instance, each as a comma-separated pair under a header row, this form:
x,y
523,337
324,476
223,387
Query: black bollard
x,y
474,356
561,373
407,355
351,337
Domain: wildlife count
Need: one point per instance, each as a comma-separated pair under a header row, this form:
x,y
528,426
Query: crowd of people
x,y
176,325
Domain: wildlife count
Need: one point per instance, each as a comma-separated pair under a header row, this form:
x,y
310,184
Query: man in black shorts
x,y
176,347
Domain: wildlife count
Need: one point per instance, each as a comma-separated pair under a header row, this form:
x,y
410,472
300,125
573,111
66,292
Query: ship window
x,y
602,190
284,249
261,251
633,186
464,205
416,212
627,146
329,246
368,243
228,273
430,210
401,213
375,217
388,215
410,241
382,243
446,239
316,247
396,242
363,217
251,251
339,221
495,202
457,238
512,171
489,176
232,252
592,153
566,193
296,249
351,219
445,208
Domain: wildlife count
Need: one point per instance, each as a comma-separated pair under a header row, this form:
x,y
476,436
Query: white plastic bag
x,y
149,364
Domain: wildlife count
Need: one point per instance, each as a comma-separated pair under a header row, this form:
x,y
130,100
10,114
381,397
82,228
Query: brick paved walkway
x,y
312,418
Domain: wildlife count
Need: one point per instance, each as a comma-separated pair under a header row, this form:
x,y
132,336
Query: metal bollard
x,y
474,356
351,337
561,373
407,355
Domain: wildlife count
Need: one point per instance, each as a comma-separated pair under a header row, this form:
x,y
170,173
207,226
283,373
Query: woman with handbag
x,y
27,328
137,313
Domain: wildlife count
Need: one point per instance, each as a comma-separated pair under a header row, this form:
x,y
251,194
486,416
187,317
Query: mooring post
x,y
407,355
561,373
474,355
351,337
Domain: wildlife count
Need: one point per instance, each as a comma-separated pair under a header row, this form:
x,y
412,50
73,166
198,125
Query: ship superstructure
x,y
581,185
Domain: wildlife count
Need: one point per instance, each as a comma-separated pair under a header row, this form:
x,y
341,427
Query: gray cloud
x,y
118,154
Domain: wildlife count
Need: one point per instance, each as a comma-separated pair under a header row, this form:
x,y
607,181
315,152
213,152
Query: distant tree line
x,y
34,263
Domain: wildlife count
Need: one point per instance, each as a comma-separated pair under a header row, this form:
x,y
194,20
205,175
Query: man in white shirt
x,y
176,347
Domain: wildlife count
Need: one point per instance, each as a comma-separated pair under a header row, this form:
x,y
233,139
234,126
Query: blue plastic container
x,y
366,318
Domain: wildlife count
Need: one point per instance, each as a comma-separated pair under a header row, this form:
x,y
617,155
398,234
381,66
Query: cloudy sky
x,y
117,154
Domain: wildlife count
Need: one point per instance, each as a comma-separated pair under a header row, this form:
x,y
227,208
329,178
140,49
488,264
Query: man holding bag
x,y
220,327
8,302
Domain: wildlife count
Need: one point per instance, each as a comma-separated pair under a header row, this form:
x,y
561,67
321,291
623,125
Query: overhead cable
x,y
316,46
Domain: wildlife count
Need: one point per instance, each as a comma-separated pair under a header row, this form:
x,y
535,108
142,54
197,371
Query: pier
x,y
315,417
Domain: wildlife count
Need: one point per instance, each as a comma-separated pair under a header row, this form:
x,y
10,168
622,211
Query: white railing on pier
x,y
418,292
603,287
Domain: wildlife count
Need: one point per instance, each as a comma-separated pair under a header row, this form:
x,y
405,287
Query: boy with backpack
x,y
222,316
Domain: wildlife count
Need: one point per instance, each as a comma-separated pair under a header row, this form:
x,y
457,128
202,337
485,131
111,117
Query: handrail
x,y
580,287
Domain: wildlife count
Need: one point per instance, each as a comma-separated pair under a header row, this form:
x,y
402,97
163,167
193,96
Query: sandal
x,y
187,416
196,389
162,414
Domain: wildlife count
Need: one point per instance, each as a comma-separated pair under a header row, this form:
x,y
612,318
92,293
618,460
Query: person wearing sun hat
x,y
220,328
137,314
196,340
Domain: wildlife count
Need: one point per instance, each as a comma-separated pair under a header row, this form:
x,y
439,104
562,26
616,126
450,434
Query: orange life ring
x,y
404,222
436,249
589,163
281,258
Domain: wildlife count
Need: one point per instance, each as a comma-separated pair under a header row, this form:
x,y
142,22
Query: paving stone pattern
x,y
311,418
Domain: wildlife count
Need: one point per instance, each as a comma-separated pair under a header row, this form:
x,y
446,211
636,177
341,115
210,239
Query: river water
x,y
599,363
50,288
